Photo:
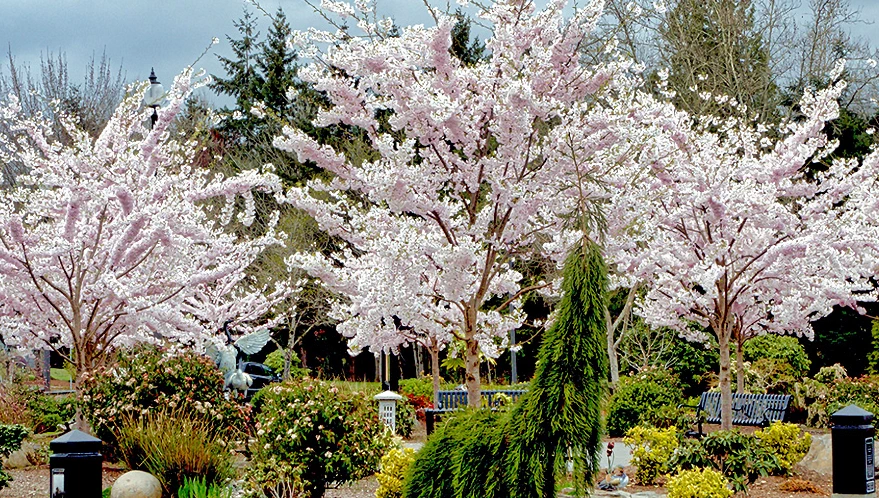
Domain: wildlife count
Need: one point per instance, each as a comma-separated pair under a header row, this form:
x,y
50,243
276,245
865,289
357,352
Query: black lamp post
x,y
153,96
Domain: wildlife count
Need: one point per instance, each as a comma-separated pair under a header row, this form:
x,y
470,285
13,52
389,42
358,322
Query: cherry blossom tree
x,y
734,237
474,165
117,239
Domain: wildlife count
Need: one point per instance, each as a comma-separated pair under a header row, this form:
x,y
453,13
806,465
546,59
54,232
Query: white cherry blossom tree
x,y
733,236
474,165
108,241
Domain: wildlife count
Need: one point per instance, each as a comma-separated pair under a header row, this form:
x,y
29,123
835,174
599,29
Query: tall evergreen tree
x,y
244,82
277,63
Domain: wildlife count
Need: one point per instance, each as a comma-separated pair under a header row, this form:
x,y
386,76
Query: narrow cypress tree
x,y
562,409
481,455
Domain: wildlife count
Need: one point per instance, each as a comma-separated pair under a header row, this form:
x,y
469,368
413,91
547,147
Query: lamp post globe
x,y
153,96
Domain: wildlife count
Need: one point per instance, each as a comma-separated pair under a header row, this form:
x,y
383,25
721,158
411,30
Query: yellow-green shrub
x,y
785,441
393,469
652,450
698,483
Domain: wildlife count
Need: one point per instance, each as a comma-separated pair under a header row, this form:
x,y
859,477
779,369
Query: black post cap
x,y
852,415
76,442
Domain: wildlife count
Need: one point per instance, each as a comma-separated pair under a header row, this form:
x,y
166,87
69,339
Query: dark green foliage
x,y
646,398
775,347
467,51
243,81
463,458
405,418
562,408
11,437
843,337
516,454
277,65
873,357
694,364
739,457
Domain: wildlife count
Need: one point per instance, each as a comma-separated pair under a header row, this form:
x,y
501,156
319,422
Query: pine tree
x,y
244,82
277,63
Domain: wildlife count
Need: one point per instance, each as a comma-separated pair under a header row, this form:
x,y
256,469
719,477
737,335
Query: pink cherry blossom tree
x,y
474,165
117,239
732,235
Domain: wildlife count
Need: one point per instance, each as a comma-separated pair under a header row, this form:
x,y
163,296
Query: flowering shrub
x,y
310,435
651,451
394,466
787,442
649,397
147,378
698,483
830,390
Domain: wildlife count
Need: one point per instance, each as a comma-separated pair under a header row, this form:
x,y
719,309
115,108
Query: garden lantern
x,y
75,466
387,408
854,463
153,96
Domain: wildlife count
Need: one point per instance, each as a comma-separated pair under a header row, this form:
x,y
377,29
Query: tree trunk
x,y
613,360
435,373
79,421
725,387
471,375
419,361
740,366
378,367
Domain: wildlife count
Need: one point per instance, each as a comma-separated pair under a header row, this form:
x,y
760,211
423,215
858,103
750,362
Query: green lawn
x,y
61,374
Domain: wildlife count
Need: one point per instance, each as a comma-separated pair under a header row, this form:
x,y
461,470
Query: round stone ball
x,y
136,484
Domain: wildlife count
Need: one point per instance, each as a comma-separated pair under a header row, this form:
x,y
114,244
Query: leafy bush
x,y
739,457
404,418
694,365
417,387
275,361
646,398
394,466
11,437
698,483
784,349
311,434
200,488
787,442
26,405
651,451
419,403
828,392
174,444
147,378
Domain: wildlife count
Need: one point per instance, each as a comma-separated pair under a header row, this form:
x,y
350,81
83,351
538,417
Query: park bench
x,y
758,410
449,401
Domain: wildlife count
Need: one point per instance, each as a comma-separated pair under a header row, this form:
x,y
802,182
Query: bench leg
x,y
428,422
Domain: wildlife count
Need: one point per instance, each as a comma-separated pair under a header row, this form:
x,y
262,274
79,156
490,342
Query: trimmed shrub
x,y
698,483
147,378
310,435
174,444
405,418
784,349
394,466
648,398
652,450
787,442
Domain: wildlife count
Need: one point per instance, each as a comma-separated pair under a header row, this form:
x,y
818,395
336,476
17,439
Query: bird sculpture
x,y
227,356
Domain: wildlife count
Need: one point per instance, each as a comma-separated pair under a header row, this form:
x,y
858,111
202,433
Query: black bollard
x,y
854,471
75,466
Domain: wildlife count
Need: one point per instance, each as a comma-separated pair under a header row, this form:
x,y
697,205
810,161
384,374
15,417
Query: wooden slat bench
x,y
450,401
758,410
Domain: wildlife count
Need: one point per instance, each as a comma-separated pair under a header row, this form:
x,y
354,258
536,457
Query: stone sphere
x,y
136,484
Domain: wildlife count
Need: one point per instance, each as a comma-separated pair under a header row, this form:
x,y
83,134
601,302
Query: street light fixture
x,y
153,97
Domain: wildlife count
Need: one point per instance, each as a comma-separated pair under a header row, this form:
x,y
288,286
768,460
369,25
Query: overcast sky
x,y
170,34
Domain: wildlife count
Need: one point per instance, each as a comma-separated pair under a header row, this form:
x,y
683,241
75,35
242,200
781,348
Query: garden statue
x,y
228,356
